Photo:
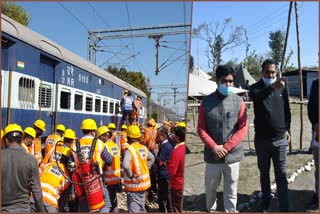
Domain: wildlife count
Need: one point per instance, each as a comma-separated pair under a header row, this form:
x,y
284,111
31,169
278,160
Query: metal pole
x,y
9,98
286,40
300,74
40,100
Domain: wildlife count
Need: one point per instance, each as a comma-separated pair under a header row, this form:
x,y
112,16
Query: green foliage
x,y
154,115
16,12
276,43
253,64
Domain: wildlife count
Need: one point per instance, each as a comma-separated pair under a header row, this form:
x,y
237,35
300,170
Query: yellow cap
x,y
112,126
124,127
89,124
1,136
66,151
69,133
181,124
30,131
133,131
102,130
12,128
40,124
61,127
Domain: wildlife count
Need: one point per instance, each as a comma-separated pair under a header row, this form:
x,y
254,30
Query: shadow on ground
x,y
299,201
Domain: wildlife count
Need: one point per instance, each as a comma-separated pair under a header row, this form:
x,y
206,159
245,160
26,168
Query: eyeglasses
x,y
227,81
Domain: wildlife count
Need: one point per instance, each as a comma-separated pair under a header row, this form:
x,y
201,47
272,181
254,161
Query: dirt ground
x,y
300,191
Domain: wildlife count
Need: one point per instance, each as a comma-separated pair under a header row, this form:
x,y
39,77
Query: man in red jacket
x,y
175,168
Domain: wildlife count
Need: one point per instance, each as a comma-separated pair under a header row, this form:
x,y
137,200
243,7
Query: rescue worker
x,y
112,127
138,106
123,138
126,104
19,174
54,138
55,186
27,139
65,142
111,173
40,127
136,163
150,134
100,154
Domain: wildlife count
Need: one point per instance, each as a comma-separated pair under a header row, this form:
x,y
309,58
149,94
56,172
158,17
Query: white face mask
x,y
268,81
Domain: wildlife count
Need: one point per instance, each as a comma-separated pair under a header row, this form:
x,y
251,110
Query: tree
x,y
276,43
253,63
16,12
217,40
135,79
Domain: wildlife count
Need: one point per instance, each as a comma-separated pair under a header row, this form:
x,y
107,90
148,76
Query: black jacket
x,y
271,110
313,104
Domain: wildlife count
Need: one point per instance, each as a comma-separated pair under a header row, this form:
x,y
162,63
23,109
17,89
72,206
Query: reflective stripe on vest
x,y
53,183
37,149
139,167
51,142
112,173
128,103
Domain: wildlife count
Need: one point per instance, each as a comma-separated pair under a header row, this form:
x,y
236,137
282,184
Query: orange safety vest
x,y
85,146
53,183
50,157
139,166
51,142
150,137
35,149
112,173
123,140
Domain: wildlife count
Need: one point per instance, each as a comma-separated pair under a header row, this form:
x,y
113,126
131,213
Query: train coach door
x,y
47,91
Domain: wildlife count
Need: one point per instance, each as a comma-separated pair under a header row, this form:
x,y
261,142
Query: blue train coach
x,y
43,80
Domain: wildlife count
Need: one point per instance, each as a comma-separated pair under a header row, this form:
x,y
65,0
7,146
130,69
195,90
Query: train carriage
x,y
43,80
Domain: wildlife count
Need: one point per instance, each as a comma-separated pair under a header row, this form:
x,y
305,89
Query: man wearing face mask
x,y
272,124
222,125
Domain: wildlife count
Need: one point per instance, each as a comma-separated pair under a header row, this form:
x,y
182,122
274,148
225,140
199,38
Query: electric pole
x,y
157,45
174,94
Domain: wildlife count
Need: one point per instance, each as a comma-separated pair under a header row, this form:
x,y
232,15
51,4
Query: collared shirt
x,y
19,176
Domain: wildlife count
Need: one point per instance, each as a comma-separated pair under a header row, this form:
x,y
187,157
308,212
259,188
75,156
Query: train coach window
x,y
89,102
78,100
117,107
111,107
65,99
45,93
105,106
97,105
26,90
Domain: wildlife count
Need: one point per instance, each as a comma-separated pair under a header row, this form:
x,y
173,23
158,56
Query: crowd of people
x,y
223,124
85,174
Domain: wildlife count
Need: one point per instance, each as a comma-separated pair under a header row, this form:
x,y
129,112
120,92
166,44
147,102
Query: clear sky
x,y
259,18
52,20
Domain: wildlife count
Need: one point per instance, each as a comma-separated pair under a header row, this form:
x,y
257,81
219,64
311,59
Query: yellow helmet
x,y
69,133
40,124
102,130
112,126
89,124
1,134
12,128
66,151
125,91
133,131
61,127
124,127
181,124
30,131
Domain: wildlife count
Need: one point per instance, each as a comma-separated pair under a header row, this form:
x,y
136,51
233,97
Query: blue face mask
x,y
268,81
224,90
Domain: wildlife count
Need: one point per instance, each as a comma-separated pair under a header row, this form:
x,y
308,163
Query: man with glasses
x,y
272,124
222,125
